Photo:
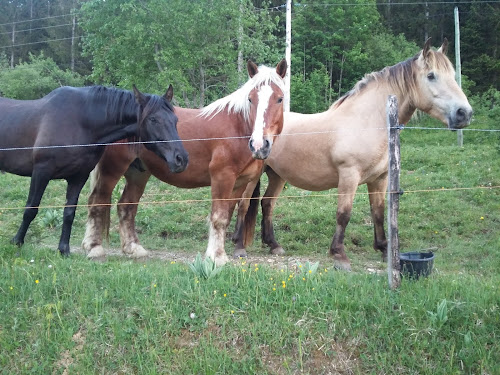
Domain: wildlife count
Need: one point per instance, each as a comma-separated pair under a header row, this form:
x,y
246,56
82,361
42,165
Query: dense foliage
x,y
202,48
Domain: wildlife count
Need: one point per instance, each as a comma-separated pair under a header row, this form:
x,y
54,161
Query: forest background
x,y
201,46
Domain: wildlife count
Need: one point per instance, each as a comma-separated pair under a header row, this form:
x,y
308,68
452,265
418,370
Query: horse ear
x,y
169,95
252,68
139,96
281,68
444,46
427,48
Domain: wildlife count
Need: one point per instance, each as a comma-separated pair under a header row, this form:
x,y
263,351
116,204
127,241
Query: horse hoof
x,y
96,252
16,242
342,265
221,260
135,251
239,253
341,262
277,251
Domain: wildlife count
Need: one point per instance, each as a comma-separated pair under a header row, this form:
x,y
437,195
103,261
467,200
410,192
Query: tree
x,y
193,47
330,37
32,26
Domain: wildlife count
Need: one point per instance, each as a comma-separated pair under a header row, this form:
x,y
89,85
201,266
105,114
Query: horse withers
x,y
61,136
346,146
227,142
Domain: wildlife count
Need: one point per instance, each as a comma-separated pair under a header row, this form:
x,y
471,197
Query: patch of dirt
x,y
273,261
68,356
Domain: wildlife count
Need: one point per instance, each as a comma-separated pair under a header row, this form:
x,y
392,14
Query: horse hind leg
x,y
275,187
244,231
38,184
127,210
377,191
99,206
73,190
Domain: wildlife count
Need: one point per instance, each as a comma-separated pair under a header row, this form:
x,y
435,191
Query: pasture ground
x,y
266,315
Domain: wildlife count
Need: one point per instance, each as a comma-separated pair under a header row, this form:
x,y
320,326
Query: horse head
x,y
439,94
265,111
158,128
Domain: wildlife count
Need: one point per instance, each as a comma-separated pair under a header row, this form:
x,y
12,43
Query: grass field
x,y
73,316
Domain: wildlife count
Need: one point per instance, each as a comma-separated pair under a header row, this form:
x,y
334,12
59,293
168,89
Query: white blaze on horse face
x,y
264,96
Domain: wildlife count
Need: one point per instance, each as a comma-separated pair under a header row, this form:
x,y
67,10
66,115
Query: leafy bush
x,y
36,78
487,103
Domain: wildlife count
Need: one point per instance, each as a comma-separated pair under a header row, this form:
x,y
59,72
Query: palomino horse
x,y
220,153
60,137
346,146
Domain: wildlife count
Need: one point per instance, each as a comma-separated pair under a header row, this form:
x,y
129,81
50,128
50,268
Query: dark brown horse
x,y
346,146
60,137
226,142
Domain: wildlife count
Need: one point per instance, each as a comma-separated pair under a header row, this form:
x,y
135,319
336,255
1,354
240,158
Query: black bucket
x,y
415,264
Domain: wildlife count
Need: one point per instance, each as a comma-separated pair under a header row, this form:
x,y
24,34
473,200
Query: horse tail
x,y
251,216
105,209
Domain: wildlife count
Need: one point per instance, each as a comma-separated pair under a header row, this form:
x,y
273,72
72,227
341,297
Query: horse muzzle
x,y
460,118
179,162
261,152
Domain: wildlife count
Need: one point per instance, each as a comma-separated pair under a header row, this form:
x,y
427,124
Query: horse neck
x,y
113,115
406,108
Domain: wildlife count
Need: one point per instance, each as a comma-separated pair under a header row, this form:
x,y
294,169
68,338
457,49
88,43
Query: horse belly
x,y
16,162
195,175
307,175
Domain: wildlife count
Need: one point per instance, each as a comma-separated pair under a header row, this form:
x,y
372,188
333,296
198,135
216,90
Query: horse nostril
x,y
463,115
267,144
250,144
179,159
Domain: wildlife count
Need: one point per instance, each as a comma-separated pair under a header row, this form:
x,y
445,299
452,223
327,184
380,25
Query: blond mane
x,y
399,76
237,101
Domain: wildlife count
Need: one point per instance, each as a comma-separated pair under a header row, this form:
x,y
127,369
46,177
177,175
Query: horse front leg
x,y
377,191
346,190
127,210
274,188
224,200
38,184
73,190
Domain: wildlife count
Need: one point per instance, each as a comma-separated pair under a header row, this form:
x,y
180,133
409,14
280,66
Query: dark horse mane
x,y
122,103
399,76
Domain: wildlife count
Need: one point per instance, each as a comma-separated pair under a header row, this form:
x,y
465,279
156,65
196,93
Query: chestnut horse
x,y
346,146
226,142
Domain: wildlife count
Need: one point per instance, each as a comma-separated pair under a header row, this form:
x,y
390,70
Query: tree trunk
x,y
240,42
157,51
73,29
341,72
13,40
202,86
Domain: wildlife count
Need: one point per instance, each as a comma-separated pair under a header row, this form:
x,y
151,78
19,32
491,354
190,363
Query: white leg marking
x,y
215,244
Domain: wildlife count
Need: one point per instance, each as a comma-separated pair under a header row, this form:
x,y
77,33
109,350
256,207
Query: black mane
x,y
121,104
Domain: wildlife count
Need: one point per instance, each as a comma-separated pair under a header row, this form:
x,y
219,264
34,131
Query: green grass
x,y
75,316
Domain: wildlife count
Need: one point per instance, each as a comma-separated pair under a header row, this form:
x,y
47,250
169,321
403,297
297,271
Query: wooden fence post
x,y
393,192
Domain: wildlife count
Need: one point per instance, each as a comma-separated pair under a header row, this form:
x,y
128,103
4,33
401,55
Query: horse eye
x,y
250,100
280,100
431,76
